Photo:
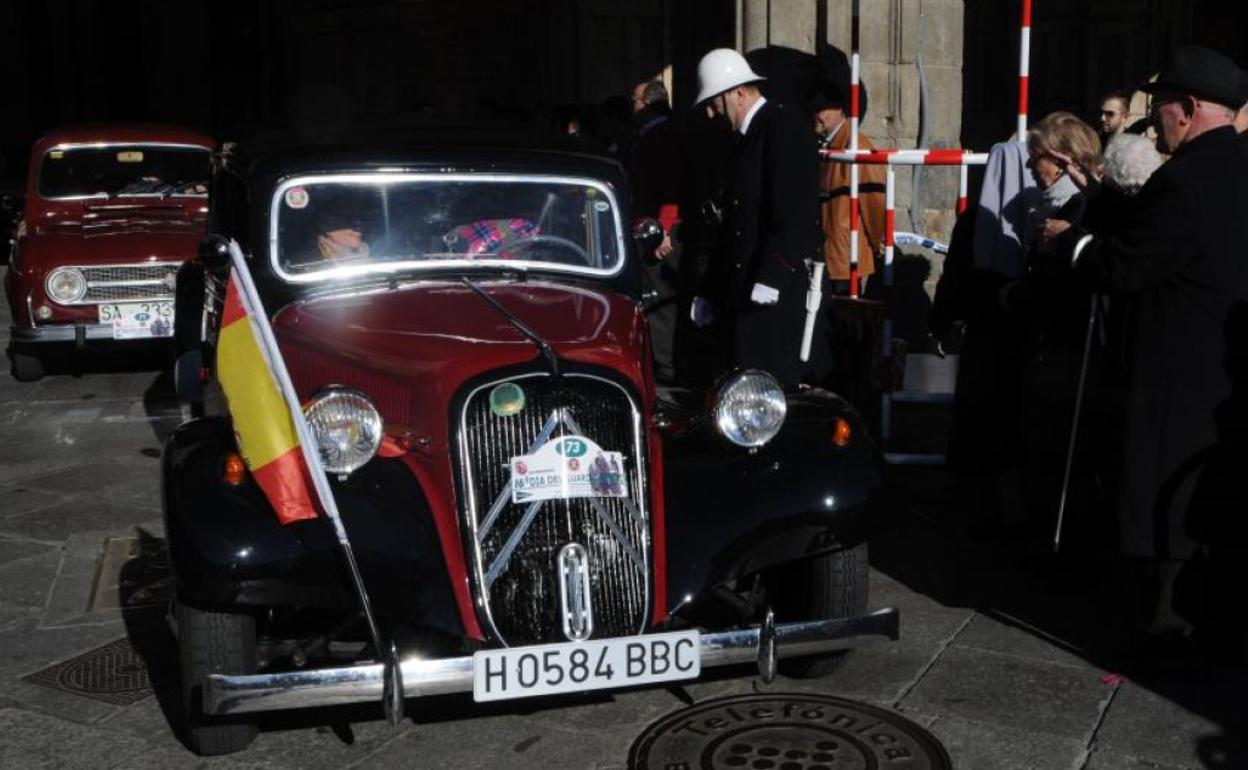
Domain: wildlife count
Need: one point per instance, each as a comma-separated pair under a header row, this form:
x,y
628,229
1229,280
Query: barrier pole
x,y
1024,67
854,107
886,344
963,184
936,157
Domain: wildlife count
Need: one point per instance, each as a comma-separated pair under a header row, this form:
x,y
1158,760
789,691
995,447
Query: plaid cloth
x,y
490,236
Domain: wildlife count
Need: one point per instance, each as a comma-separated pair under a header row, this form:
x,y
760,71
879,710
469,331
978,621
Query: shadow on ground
x,y
1083,604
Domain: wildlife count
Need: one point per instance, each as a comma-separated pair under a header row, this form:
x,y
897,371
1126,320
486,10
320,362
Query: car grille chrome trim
x,y
514,548
142,282
576,602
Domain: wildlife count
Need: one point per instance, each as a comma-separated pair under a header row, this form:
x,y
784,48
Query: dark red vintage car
x,y
521,511
110,214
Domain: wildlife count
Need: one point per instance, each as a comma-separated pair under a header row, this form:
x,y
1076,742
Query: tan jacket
x,y
834,212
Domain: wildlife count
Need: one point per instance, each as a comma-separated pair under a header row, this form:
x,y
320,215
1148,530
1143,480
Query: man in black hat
x,y
1179,261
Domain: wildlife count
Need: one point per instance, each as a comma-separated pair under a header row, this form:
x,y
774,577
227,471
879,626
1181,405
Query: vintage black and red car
x,y
110,214
523,512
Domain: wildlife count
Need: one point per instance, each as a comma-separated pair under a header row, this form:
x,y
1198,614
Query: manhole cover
x,y
786,732
113,673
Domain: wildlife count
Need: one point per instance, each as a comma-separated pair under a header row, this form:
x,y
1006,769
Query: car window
x,y
328,226
124,170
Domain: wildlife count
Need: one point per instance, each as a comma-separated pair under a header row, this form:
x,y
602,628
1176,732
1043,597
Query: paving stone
x,y
982,686
998,635
25,583
60,521
983,746
1174,719
503,741
34,740
1113,760
19,500
16,549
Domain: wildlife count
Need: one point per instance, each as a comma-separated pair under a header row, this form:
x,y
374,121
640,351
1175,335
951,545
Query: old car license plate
x,y
134,320
548,669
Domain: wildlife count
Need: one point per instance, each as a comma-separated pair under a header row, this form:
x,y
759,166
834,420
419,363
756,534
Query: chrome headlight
x,y
750,408
66,285
346,426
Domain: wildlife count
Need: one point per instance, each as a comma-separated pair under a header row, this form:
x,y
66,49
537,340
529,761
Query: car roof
x,y
123,133
460,147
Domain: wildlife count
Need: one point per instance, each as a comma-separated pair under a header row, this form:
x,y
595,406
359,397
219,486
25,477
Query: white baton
x,y
814,298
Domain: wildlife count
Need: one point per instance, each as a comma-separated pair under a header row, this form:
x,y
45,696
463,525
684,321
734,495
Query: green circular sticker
x,y
507,399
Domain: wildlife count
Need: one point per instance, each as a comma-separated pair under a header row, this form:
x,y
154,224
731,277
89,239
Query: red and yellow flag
x,y
262,423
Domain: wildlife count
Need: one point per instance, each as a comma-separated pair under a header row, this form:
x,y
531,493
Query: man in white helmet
x,y
757,279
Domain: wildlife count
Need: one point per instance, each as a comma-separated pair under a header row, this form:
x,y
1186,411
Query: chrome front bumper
x,y
355,684
66,332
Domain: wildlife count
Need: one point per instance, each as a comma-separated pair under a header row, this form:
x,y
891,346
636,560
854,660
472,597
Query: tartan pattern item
x,y
487,236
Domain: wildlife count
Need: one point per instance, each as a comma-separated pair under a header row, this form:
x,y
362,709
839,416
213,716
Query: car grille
x,y
129,283
516,564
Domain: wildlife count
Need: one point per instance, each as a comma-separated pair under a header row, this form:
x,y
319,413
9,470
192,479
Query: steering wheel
x,y
554,240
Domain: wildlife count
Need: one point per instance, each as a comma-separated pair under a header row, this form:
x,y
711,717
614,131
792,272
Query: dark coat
x,y
1181,258
770,231
655,163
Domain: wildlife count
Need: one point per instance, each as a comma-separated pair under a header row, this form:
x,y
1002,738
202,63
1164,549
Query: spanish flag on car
x,y
263,425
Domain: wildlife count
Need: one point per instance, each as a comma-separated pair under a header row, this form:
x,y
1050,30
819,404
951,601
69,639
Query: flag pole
x,y
307,444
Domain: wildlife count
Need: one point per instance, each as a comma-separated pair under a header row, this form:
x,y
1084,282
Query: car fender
x,y
732,510
228,549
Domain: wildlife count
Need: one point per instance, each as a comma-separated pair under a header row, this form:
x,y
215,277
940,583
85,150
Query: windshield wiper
x,y
547,350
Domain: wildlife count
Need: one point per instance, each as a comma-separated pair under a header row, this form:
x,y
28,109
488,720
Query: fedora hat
x,y
1203,73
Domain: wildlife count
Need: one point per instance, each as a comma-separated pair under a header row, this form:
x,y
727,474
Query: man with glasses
x,y
770,221
1180,262
1115,107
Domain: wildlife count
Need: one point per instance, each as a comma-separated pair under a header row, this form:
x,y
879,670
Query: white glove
x,y
701,312
764,295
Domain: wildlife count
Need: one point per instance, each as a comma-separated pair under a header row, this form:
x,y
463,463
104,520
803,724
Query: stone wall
x,y
895,36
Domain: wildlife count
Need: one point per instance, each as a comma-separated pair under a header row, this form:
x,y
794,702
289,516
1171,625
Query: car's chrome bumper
x,y
69,332
353,684
66,332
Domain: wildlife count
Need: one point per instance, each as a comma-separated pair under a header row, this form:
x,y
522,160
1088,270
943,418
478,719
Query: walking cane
x,y
1074,424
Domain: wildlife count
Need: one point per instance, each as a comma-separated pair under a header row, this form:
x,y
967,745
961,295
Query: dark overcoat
x,y
771,229
1181,258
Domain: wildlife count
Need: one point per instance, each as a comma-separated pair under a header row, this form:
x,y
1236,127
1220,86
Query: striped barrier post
x,y
1024,67
854,112
886,345
963,184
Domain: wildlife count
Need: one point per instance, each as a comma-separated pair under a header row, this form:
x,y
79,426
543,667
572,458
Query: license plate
x,y
550,669
136,320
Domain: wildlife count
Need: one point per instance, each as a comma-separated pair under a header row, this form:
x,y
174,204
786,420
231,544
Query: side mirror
x,y
214,253
648,235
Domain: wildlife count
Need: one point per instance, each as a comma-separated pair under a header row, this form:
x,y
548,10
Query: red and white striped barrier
x,y
854,113
1024,68
937,157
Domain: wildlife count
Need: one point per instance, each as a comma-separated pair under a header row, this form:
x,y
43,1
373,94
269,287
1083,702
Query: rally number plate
x,y
138,320
550,669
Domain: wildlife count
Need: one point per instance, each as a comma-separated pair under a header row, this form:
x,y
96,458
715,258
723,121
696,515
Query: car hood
x,y
412,348
133,239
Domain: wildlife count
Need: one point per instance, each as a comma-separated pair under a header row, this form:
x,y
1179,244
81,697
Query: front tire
x,y
213,643
826,587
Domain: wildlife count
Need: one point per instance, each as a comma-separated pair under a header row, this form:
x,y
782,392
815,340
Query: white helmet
x,y
721,70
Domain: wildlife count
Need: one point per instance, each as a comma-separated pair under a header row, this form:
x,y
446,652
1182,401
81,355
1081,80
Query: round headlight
x,y
66,285
347,429
750,408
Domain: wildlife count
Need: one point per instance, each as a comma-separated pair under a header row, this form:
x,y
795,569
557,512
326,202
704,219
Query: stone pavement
x,y
1000,666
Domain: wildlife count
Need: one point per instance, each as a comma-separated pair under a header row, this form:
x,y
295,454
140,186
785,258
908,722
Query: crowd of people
x,y
1100,286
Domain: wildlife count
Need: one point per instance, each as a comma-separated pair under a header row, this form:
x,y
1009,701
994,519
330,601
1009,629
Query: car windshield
x,y
338,226
124,169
